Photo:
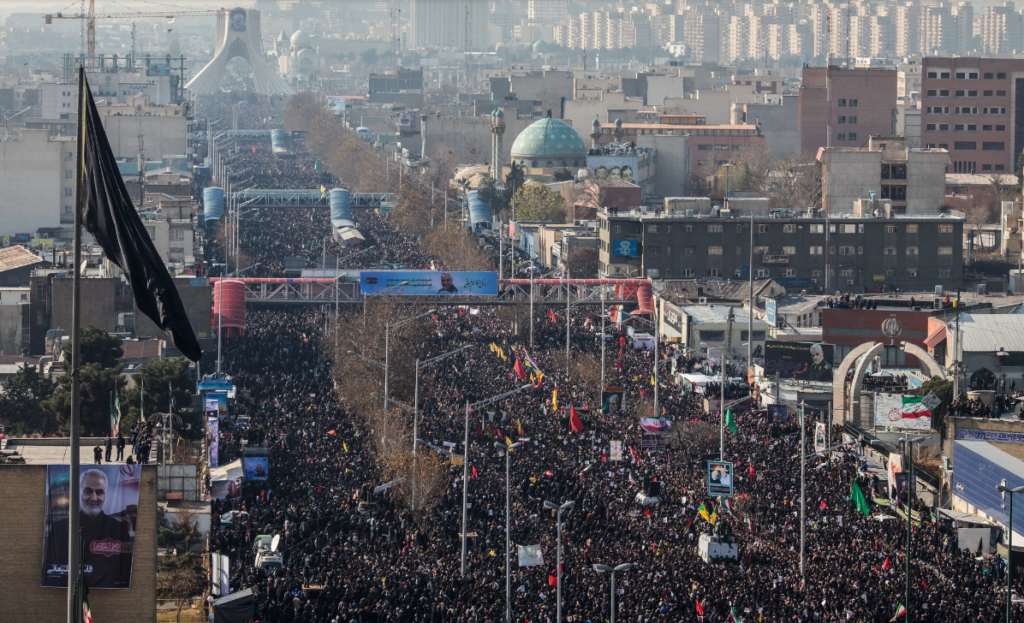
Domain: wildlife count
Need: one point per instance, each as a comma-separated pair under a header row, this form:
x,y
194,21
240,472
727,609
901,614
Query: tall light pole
x,y
507,450
387,350
568,318
910,441
603,338
750,315
624,567
803,481
558,570
465,460
727,166
416,409
721,407
1009,546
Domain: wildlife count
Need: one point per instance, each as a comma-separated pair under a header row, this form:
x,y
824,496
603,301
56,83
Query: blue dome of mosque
x,y
549,143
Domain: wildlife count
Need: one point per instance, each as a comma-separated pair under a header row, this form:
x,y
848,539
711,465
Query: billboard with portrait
x,y
238,20
256,467
227,489
804,361
213,439
820,436
720,478
428,283
612,400
777,413
108,515
615,450
336,104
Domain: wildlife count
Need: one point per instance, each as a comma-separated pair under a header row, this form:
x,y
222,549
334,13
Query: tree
x,y
21,402
534,202
157,377
488,191
513,181
180,578
370,56
563,175
583,263
99,373
943,389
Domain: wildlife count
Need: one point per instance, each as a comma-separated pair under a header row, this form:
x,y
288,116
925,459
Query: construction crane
x,y
91,18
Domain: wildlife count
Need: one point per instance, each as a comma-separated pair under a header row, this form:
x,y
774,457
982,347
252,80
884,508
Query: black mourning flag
x,y
110,217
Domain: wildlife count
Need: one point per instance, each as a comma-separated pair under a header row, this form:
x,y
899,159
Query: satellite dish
x,y
274,542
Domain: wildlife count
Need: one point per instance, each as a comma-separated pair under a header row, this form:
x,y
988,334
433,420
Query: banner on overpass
x,y
428,283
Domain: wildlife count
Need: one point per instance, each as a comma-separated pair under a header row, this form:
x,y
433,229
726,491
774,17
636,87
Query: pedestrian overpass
x,y
266,197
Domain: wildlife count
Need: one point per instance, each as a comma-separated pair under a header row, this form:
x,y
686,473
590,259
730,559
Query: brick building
x,y
849,328
21,523
970,106
863,104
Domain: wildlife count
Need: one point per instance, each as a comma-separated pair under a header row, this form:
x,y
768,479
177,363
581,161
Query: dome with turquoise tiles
x,y
549,143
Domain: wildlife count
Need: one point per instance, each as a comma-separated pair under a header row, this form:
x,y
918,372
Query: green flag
x,y
115,414
730,422
142,400
858,498
316,166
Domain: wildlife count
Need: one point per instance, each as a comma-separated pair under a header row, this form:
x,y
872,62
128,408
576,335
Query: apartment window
x,y
704,147
816,250
853,103
993,146
846,272
618,229
944,75
912,273
652,229
151,230
890,229
933,74
972,127
842,103
987,93
688,250
911,250
945,273
844,250
687,272
668,250
848,228
688,229
715,272
760,250
668,272
853,119
739,250
177,234
1000,167
945,250
965,145
789,272
960,93
653,250
945,229
715,229
789,229
842,136
122,290
1000,128
943,127
986,128
853,136
932,93
972,93
789,250
890,272
714,250
930,127
68,155
1000,93
890,250
943,92
961,75
989,75
841,119
68,174
817,228
68,209
986,167
1001,76
762,273
69,192
763,229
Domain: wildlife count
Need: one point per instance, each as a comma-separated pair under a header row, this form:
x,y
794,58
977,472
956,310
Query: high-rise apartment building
x,y
547,11
445,24
863,105
970,106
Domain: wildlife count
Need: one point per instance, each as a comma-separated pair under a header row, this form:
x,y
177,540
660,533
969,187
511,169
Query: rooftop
x,y
17,257
991,332
689,292
713,314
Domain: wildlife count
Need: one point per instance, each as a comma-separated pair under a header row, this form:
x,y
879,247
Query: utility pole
x,y
142,172
956,350
750,316
568,319
721,407
803,490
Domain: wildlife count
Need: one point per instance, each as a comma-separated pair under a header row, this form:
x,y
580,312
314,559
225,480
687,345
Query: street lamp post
x,y
613,570
416,409
387,352
558,570
1009,546
909,441
508,530
465,460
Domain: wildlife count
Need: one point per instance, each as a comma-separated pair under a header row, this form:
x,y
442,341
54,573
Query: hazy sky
x,y
46,6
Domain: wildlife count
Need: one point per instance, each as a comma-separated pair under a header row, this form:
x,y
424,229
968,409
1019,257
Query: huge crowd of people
x,y
384,563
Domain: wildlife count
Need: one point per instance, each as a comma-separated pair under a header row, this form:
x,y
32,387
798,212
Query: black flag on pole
x,y
111,218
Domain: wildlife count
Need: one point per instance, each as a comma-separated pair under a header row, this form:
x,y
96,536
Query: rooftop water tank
x,y
479,211
340,201
213,204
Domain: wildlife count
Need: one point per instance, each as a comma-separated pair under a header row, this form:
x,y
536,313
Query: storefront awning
x,y
935,337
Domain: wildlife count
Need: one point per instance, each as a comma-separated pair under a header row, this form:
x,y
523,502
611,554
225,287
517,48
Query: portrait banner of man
x,y
612,400
109,510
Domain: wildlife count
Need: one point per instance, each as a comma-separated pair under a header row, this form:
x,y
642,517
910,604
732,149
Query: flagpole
x,y
803,497
74,535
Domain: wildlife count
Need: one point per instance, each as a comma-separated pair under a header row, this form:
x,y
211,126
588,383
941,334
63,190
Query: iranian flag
x,y
900,611
654,425
911,409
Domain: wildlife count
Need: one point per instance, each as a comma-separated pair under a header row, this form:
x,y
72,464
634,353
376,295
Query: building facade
x,y
37,173
970,106
863,104
860,254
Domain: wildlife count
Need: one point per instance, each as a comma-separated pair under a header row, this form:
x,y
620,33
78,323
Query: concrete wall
x,y
926,176
672,163
21,523
549,89
660,87
164,135
580,113
14,328
97,304
780,125
33,179
853,174
468,138
712,104
198,303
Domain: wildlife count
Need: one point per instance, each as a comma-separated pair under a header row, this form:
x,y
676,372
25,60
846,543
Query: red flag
x,y
253,149
923,585
552,580
647,512
700,609
551,315
574,419
752,472
886,564
474,471
519,370
823,505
